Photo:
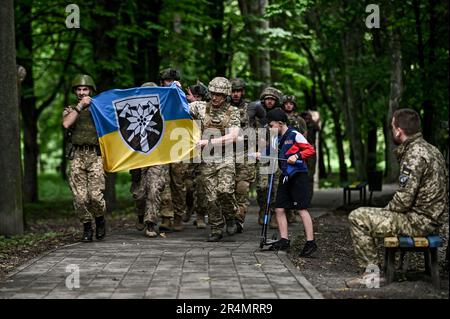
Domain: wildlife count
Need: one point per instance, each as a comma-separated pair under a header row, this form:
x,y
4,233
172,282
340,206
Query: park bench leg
x,y
390,265
426,254
434,267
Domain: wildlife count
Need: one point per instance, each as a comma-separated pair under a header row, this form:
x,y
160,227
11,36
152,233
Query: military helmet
x,y
83,80
220,85
237,84
149,84
170,74
271,92
199,89
289,98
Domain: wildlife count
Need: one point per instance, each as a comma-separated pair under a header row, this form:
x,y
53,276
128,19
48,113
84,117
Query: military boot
x,y
166,224
231,226
200,222
177,223
151,230
213,237
87,232
140,223
100,229
239,227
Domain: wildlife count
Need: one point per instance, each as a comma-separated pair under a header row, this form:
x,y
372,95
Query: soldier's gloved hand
x,y
85,102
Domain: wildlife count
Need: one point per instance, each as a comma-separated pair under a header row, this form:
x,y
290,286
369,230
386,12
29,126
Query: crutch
x,y
263,237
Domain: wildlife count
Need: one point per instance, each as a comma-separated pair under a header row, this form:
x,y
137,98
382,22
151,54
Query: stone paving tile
x,y
126,265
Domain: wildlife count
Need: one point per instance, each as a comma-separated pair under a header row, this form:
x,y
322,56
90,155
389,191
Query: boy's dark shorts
x,y
294,193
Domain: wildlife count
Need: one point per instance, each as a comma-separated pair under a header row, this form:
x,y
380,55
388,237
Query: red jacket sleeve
x,y
302,148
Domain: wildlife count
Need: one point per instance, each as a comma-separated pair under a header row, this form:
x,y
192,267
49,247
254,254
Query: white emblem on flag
x,y
140,121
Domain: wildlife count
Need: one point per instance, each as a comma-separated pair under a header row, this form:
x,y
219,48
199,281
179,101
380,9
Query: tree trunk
x,y
216,11
29,111
11,213
428,105
105,49
322,148
259,57
147,53
351,109
396,89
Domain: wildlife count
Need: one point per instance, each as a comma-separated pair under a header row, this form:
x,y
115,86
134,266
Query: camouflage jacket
x,y
422,192
223,117
297,122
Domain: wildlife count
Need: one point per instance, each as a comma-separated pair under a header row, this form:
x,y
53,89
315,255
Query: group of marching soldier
x,y
215,193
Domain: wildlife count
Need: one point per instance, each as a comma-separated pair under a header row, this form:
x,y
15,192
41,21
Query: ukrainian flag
x,y
143,126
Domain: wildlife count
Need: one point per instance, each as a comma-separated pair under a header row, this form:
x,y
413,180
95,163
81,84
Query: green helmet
x,y
149,84
169,74
83,80
271,92
199,89
237,84
289,98
220,85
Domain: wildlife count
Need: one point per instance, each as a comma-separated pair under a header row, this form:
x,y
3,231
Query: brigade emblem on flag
x,y
140,122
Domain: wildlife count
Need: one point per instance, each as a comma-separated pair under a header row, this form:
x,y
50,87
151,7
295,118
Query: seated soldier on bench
x,y
418,208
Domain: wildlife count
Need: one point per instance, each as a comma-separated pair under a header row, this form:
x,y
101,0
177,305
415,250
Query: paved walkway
x,y
182,265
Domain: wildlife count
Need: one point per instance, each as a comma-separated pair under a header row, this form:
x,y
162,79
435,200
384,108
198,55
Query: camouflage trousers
x,y
218,180
147,192
369,223
87,182
311,164
262,186
174,197
245,175
195,192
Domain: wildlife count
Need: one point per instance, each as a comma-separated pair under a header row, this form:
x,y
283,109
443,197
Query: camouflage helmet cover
x,y
271,92
170,74
149,84
237,84
83,80
220,85
289,98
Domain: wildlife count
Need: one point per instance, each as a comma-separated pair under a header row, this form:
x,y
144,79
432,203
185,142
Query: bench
x,y
428,245
360,186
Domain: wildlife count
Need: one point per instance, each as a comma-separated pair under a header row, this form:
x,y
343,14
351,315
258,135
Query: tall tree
x,y
256,27
11,214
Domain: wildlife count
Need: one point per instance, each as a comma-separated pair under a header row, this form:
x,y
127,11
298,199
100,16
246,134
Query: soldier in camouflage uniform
x,y
270,98
195,192
297,122
312,127
245,171
147,185
87,177
420,205
217,170
173,198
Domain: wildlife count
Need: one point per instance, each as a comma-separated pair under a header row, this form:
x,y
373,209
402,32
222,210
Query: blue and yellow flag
x,y
143,126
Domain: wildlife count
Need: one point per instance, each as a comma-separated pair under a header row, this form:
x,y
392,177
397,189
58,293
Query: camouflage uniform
x,y
245,172
418,208
218,178
147,192
262,178
311,130
87,177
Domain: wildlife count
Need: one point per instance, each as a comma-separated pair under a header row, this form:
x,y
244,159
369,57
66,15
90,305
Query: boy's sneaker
x,y
282,244
308,249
